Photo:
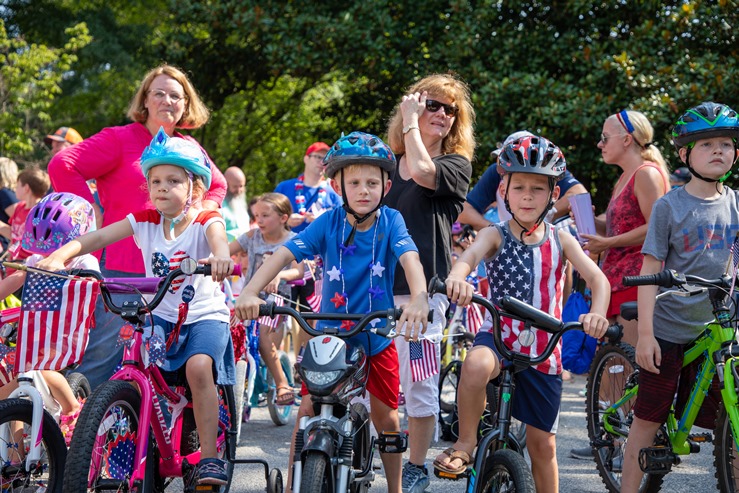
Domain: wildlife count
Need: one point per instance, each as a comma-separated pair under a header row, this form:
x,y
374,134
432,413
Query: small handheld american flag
x,y
56,314
734,261
424,362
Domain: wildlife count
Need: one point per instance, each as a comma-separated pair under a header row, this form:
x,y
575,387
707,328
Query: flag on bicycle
x,y
474,318
734,261
424,362
269,321
314,300
56,314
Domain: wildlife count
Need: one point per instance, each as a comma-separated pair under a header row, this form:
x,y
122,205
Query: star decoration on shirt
x,y
347,325
376,292
377,269
347,250
335,273
339,299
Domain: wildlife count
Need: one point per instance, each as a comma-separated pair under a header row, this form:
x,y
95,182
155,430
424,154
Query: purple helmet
x,y
55,221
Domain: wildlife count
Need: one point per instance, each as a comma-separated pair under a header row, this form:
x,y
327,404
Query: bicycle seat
x,y
628,310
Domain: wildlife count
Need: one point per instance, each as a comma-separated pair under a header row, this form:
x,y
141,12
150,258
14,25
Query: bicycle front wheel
x,y
15,433
101,455
612,373
507,471
725,454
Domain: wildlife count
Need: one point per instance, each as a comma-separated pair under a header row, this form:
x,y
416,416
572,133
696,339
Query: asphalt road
x,y
262,439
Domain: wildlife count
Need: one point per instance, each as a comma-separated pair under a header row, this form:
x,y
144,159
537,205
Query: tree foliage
x,y
280,74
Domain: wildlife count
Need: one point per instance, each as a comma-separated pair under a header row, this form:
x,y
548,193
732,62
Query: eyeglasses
x,y
433,106
159,95
604,138
317,156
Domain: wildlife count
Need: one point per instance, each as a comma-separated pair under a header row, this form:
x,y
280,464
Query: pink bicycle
x,y
137,432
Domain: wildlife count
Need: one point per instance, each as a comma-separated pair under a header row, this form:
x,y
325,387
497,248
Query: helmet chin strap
x,y
539,220
357,218
179,217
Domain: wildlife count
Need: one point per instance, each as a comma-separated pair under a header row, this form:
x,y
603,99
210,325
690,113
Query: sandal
x,y
286,398
453,454
68,422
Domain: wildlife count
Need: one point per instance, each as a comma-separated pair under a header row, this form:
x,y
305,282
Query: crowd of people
x,y
154,195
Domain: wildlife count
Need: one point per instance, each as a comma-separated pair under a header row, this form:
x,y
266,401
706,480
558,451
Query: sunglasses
x,y
433,106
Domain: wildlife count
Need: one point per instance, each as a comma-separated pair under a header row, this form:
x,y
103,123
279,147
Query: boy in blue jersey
x,y
361,246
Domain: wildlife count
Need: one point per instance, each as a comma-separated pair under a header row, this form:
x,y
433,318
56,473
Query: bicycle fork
x,y
26,389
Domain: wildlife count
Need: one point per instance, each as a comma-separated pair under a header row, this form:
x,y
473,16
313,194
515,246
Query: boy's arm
x,y
594,322
457,288
221,262
648,352
247,304
90,242
415,313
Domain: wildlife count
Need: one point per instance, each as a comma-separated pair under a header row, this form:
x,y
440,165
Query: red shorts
x,y
384,376
619,297
657,390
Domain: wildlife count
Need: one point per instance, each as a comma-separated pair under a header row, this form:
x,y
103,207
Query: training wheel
x,y
274,483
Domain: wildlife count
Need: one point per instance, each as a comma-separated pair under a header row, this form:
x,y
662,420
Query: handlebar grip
x,y
266,309
666,279
208,271
527,312
436,285
613,333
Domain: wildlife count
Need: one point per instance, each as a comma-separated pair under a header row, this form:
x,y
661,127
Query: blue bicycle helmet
x,y
705,121
177,152
359,148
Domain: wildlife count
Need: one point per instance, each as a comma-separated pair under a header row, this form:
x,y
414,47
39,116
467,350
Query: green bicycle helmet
x,y
705,121
177,152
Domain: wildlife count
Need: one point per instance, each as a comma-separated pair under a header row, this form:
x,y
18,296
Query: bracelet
x,y
408,128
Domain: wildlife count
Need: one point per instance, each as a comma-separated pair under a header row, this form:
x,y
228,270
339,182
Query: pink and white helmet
x,y
55,221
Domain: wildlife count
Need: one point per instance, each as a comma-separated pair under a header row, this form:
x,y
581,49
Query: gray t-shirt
x,y
692,236
258,250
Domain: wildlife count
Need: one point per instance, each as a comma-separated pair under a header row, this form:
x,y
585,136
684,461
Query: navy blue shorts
x,y
537,396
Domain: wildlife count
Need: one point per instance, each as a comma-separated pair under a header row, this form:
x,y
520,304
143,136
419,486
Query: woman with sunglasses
x,y
431,132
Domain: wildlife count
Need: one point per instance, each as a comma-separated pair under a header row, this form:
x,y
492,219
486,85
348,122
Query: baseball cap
x,y
511,138
64,134
316,147
681,174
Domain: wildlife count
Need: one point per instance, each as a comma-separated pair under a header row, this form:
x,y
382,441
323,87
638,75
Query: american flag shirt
x,y
534,274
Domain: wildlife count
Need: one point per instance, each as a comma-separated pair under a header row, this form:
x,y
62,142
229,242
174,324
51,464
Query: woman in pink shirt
x,y
166,99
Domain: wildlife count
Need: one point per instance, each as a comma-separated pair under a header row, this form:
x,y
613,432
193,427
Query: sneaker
x,y
212,471
583,392
415,478
584,453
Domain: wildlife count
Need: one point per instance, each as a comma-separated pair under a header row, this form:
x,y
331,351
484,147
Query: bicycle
x,y
124,440
499,464
612,392
334,449
32,447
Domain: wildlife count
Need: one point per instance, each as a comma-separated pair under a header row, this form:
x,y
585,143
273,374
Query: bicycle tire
x,y
316,473
280,414
725,454
53,449
448,386
79,385
239,389
506,470
226,431
618,361
109,420
362,450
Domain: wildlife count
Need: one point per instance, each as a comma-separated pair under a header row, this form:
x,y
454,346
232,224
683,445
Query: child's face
x,y
268,220
528,195
168,188
713,157
22,191
364,187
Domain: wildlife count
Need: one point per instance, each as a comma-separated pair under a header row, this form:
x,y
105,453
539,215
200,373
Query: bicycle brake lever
x,y
684,294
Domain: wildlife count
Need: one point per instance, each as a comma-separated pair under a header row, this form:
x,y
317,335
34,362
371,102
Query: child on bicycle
x,y
526,258
691,231
272,211
361,246
178,173
53,222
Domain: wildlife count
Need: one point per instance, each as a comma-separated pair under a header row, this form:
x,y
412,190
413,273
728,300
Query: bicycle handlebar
x,y
391,314
669,278
519,310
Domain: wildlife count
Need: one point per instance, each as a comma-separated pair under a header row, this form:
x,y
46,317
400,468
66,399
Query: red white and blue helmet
x,y
177,152
532,154
55,221
359,148
705,121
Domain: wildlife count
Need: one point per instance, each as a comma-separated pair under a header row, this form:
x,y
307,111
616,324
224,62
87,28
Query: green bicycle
x,y
613,384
